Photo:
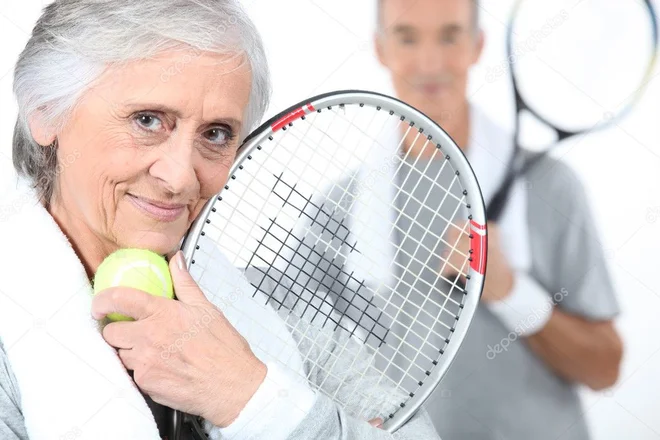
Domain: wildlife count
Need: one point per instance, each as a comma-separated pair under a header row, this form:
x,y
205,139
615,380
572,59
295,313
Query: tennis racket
x,y
577,66
273,217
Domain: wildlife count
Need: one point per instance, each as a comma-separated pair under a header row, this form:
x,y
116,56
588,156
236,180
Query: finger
x,y
456,235
134,303
129,359
185,287
121,334
378,422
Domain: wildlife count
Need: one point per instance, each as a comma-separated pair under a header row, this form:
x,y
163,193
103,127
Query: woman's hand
x,y
184,354
376,423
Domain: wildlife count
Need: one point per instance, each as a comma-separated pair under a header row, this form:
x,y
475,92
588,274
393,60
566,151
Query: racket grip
x,y
498,203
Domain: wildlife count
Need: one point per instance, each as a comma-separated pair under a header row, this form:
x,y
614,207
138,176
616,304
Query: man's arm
x,y
577,348
573,332
580,350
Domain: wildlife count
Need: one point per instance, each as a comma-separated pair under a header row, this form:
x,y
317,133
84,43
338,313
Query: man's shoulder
x,y
553,179
549,175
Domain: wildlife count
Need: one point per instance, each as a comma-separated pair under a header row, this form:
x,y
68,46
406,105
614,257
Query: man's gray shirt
x,y
490,393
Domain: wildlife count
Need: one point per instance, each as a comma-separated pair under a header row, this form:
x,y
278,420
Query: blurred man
x,y
545,322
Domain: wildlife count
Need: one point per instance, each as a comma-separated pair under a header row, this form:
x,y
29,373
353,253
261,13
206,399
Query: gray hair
x,y
74,41
475,22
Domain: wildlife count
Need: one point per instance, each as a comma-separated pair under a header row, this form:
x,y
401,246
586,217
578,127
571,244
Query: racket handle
x,y
501,197
175,424
498,203
177,421
196,424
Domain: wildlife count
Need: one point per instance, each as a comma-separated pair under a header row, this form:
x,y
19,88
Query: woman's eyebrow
x,y
145,106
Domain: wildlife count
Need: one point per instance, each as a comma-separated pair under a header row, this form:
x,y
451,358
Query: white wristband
x,y
274,411
527,309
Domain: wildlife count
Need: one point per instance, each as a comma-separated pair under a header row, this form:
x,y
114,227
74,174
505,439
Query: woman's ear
x,y
42,132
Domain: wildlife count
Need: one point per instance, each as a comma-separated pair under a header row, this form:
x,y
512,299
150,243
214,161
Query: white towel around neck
x,y
71,382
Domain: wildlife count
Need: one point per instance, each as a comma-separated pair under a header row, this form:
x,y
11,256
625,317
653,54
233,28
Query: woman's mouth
x,y
161,211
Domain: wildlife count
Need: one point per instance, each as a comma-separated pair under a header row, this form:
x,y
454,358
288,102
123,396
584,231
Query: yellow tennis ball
x,y
136,268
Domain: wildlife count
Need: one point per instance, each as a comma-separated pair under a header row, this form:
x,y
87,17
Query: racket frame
x,y
477,270
498,203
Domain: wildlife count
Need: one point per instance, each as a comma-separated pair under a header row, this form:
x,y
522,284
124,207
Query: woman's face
x,y
151,142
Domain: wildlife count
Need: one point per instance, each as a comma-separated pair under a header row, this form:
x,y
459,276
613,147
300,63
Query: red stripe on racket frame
x,y
290,117
479,246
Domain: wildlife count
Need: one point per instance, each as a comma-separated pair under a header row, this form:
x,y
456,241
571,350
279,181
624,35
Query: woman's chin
x,y
159,242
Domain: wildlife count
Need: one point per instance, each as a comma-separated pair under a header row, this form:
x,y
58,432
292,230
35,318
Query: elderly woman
x,y
130,115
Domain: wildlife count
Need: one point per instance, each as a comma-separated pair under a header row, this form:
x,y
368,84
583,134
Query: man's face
x,y
429,47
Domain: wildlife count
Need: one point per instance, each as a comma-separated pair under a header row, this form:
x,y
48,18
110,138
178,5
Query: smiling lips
x,y
164,212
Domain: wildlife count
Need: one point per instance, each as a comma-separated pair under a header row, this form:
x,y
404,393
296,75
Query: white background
x,y
321,45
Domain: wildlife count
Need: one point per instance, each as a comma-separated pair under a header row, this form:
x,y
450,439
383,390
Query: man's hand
x,y
499,276
184,354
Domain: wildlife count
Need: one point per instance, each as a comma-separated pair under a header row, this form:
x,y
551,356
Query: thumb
x,y
185,287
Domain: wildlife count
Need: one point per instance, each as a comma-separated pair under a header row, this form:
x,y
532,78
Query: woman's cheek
x,y
198,208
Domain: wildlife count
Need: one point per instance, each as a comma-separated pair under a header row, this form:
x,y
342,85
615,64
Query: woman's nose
x,y
174,166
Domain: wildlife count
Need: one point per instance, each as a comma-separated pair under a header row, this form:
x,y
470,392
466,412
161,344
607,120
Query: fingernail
x,y
376,423
180,262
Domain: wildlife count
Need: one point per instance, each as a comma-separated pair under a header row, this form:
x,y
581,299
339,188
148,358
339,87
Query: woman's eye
x,y
219,136
150,122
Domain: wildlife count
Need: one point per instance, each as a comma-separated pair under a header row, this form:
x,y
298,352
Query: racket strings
x,y
410,196
328,288
414,362
314,221
410,346
277,238
399,229
326,301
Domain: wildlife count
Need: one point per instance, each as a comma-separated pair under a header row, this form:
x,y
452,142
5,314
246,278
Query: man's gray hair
x,y
475,3
74,41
